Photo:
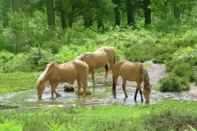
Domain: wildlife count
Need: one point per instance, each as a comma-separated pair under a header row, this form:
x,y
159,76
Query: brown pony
x,y
102,57
67,72
132,72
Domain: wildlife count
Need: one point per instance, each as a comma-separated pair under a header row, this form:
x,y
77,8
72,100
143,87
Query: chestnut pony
x,y
132,72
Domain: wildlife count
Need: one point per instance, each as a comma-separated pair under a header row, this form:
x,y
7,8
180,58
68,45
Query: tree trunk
x,y
50,13
63,19
88,21
100,25
117,12
5,10
117,16
130,4
147,12
177,12
70,19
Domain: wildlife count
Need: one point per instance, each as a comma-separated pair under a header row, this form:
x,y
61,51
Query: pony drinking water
x,y
67,72
132,72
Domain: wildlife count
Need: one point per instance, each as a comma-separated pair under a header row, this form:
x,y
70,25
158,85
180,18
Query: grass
x,y
17,81
168,115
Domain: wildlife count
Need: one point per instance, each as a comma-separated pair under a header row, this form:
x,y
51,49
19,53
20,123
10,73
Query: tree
x,y
50,13
130,8
117,12
147,12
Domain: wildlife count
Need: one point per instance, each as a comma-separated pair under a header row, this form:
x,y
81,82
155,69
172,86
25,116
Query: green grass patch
x,y
17,81
165,115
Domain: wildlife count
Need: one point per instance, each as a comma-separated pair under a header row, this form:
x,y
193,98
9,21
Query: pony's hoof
x,y
125,99
88,93
58,96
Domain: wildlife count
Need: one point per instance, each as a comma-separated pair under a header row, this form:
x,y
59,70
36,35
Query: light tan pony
x,y
102,57
132,72
67,72
111,55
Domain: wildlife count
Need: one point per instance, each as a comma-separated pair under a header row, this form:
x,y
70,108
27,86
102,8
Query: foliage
x,y
173,83
183,63
11,126
35,60
106,118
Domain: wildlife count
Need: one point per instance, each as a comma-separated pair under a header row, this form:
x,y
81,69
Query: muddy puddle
x,y
101,96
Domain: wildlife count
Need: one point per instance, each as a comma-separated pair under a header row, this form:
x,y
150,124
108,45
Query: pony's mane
x,y
45,72
146,77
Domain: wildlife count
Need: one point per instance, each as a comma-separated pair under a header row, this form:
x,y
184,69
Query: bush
x,y
5,56
173,83
188,55
194,74
37,60
183,63
26,62
183,70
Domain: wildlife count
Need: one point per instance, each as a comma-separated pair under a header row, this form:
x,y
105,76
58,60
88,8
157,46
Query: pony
x,y
111,55
67,72
132,72
102,57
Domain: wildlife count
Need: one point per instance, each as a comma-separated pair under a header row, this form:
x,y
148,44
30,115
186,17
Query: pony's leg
x,y
79,87
93,80
52,93
140,89
106,73
142,100
57,94
124,89
53,90
114,86
135,96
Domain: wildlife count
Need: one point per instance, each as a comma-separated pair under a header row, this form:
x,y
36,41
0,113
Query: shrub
x,y
18,63
139,52
173,83
26,62
187,54
194,74
5,56
183,70
163,51
37,60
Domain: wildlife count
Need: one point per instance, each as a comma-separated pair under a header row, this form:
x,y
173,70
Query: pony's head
x,y
147,87
40,88
43,78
